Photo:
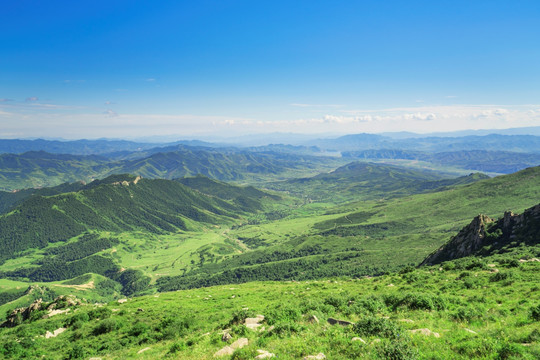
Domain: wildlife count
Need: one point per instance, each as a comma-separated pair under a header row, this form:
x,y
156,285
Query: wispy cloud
x,y
151,79
316,105
109,102
32,98
35,120
110,113
6,100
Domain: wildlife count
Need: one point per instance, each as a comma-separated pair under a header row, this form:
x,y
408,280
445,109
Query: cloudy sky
x,y
90,69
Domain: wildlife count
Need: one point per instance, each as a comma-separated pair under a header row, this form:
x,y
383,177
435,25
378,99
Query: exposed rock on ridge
x,y
485,232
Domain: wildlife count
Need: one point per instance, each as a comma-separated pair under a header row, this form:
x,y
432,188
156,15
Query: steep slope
x,y
485,236
10,199
118,203
247,198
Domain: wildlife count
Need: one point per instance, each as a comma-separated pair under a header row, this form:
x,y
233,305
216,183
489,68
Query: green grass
x,y
185,324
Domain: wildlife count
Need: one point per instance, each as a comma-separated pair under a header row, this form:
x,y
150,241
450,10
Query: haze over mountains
x,y
122,219
38,163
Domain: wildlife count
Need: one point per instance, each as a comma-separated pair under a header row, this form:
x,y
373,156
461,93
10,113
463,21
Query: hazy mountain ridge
x,y
365,180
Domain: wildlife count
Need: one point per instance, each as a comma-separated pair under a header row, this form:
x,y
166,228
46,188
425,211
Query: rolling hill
x,y
41,169
368,181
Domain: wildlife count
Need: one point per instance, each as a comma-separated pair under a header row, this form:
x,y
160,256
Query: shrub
x,y
373,326
138,329
79,317
468,313
105,326
286,329
336,301
171,328
100,313
239,317
507,276
76,352
283,314
398,350
535,312
509,350
176,347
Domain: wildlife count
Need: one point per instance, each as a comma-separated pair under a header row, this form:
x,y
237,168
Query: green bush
x,y
239,317
100,313
176,347
286,329
535,312
76,352
105,326
283,313
398,350
138,329
171,327
79,317
374,326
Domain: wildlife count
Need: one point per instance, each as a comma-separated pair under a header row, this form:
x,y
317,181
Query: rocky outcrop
x,y
468,240
484,232
19,315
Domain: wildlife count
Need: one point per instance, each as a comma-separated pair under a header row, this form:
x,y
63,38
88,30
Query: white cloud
x,y
32,98
315,105
110,113
34,119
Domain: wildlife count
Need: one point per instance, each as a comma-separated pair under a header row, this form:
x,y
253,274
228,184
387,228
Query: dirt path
x,y
82,287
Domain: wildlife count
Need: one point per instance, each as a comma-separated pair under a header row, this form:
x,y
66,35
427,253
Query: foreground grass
x,y
480,310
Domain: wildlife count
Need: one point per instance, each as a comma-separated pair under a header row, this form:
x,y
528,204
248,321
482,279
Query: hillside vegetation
x,y
485,309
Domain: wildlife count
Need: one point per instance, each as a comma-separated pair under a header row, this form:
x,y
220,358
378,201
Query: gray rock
x,y
333,321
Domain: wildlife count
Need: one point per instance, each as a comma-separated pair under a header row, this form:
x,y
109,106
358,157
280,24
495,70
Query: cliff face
x,y
484,235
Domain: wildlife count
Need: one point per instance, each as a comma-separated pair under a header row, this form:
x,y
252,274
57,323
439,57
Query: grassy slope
x,y
368,181
363,238
477,312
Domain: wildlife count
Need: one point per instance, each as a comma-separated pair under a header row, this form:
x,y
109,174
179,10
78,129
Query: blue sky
x,y
88,69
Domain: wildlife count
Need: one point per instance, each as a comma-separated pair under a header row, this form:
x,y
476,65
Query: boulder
x,y
226,337
319,356
425,332
263,354
55,333
228,350
254,323
333,321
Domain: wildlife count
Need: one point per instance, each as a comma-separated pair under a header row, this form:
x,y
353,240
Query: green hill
x,y
115,204
41,169
38,169
368,181
364,238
